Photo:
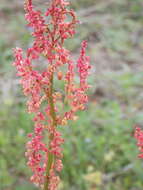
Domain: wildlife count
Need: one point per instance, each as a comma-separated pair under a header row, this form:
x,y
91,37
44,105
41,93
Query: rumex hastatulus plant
x,y
50,30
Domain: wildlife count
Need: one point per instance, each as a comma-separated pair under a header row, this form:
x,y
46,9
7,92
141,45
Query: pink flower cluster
x,y
44,150
139,136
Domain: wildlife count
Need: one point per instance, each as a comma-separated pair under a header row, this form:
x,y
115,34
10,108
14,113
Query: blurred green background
x,y
99,151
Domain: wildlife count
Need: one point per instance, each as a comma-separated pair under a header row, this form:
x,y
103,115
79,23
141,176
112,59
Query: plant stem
x,y
48,167
49,94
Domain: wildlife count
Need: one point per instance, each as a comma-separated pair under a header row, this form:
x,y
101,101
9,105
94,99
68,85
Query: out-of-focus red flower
x,y
139,136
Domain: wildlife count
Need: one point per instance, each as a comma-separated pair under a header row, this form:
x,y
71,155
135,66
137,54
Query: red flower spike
x,y
49,35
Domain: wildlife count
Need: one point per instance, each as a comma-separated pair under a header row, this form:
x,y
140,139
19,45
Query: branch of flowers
x,y
45,162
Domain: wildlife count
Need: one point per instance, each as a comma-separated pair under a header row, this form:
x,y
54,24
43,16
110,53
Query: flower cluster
x,y
139,136
44,151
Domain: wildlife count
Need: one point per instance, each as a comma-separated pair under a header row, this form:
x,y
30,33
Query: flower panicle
x,y
44,152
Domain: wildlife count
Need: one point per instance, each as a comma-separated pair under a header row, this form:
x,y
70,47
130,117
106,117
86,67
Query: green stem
x,y
49,164
51,102
49,95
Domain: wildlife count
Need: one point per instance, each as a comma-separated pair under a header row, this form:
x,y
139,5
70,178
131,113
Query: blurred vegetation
x,y
99,151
